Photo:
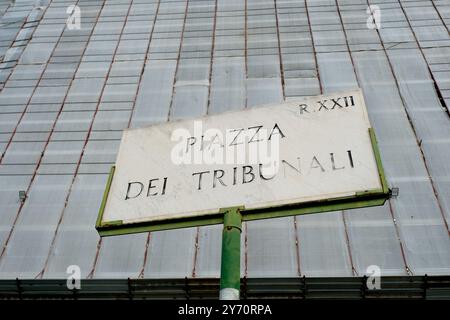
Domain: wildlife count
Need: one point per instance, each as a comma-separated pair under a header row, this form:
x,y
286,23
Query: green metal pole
x,y
230,273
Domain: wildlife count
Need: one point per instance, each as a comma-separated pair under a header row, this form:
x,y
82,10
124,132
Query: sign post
x,y
230,271
317,154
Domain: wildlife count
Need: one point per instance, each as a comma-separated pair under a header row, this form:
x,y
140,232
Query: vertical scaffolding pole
x,y
230,272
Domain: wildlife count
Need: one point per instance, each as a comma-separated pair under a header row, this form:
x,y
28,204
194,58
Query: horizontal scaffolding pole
x,y
398,287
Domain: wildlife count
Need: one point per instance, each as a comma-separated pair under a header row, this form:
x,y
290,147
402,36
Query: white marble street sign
x,y
303,151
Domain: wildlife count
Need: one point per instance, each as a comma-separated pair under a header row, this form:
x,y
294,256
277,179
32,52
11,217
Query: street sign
x,y
304,156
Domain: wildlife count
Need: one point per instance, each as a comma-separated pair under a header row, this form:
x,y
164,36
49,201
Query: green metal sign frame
x,y
367,198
